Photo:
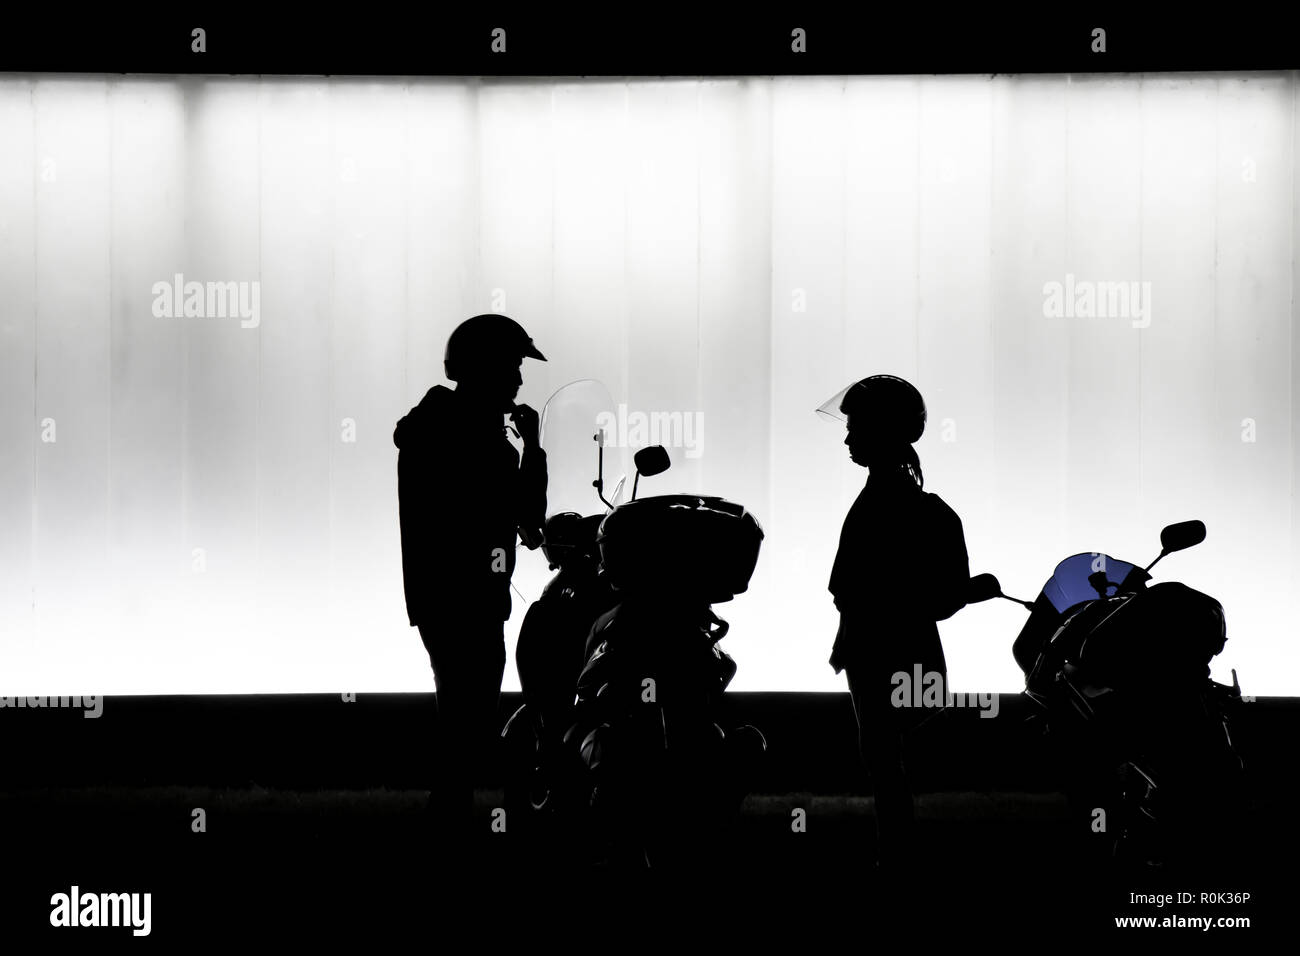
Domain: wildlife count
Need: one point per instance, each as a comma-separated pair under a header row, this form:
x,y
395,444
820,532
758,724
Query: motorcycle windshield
x,y
571,419
1069,584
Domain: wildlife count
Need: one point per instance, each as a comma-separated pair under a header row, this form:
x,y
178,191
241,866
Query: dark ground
x,y
100,804
325,863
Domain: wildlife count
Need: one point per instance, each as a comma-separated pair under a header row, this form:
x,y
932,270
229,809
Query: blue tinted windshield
x,y
1069,583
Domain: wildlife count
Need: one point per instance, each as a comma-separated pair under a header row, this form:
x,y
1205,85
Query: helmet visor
x,y
830,409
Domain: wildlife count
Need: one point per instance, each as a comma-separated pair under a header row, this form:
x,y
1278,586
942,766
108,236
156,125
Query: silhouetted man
x,y
464,493
901,566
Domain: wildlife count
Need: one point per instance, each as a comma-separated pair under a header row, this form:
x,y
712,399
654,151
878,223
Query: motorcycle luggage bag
x,y
693,545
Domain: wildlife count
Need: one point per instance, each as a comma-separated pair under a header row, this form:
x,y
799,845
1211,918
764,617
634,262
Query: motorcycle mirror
x,y
599,483
652,460
982,587
1183,535
1178,537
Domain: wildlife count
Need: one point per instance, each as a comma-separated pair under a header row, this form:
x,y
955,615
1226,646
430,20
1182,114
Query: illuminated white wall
x,y
732,249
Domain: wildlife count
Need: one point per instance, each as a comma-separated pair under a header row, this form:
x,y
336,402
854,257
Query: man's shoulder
x,y
434,414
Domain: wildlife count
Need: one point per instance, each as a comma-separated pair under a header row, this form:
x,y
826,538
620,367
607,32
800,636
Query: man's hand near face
x,y
526,423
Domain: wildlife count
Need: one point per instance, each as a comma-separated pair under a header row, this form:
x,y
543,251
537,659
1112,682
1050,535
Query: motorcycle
x,y
619,658
1118,674
664,777
551,649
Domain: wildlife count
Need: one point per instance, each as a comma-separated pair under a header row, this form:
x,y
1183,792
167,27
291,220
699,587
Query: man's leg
x,y
482,731
468,664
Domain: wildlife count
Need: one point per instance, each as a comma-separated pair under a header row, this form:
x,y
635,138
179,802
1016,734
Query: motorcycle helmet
x,y
891,402
485,339
569,535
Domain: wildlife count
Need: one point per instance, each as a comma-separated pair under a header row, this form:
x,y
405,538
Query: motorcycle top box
x,y
694,545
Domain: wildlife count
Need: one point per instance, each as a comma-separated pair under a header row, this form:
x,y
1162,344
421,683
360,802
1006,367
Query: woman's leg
x,y
880,744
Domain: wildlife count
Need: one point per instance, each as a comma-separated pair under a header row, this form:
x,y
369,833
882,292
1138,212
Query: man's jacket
x,y
463,493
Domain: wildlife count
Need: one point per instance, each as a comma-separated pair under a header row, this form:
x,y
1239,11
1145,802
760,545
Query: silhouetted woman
x,y
901,566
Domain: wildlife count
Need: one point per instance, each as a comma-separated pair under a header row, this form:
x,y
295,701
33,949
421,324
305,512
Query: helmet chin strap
x,y
484,399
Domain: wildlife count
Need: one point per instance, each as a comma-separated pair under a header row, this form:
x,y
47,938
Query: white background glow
x,y
736,249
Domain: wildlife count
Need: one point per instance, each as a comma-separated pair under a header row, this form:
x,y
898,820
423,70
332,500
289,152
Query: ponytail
x,y
912,465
